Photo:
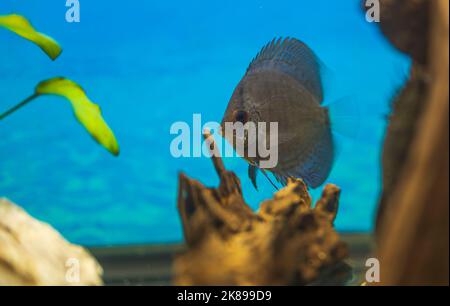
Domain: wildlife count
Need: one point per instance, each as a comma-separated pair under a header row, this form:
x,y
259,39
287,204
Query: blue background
x,y
151,63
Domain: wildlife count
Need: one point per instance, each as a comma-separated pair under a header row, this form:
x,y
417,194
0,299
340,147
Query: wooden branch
x,y
406,24
414,224
286,242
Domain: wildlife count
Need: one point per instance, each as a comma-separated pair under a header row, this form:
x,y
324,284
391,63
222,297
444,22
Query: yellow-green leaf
x,y
87,113
22,27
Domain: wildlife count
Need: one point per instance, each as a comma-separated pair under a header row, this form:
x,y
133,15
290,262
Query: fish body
x,y
283,84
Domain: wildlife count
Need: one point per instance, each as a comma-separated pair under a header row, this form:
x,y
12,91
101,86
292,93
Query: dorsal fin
x,y
294,58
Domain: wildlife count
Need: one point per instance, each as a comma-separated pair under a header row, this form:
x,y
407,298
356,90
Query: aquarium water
x,y
150,64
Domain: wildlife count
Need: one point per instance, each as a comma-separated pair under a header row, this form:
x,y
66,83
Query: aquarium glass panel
x,y
149,64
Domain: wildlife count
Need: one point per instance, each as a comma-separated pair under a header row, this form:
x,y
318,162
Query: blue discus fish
x,y
283,84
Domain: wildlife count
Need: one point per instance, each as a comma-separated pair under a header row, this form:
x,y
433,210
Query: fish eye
x,y
241,116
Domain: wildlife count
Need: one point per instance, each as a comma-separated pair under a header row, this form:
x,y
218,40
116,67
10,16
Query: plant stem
x,y
23,103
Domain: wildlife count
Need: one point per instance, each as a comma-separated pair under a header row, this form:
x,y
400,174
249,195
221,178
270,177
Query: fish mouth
x,y
225,120
222,128
230,137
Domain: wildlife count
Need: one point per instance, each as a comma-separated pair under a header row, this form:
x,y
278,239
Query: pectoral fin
x,y
252,170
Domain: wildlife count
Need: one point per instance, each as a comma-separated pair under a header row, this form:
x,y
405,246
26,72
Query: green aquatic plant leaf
x,y
86,112
22,27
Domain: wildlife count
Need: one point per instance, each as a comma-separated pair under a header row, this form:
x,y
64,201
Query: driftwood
x,y
413,221
286,242
406,24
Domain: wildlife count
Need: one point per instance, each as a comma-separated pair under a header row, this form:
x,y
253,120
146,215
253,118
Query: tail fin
x,y
345,117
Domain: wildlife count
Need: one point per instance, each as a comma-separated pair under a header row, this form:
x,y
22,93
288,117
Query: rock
x,y
33,253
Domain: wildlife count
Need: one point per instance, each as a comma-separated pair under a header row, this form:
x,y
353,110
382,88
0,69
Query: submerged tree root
x,y
287,242
413,219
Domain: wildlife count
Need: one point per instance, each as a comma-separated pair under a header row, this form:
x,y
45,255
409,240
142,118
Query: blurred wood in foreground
x,y
287,242
406,24
413,233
